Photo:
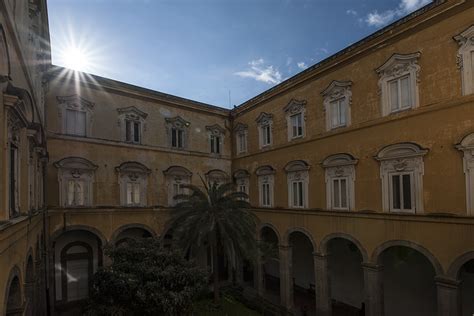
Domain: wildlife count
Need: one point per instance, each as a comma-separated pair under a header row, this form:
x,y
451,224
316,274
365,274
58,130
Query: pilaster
x,y
374,295
448,296
323,292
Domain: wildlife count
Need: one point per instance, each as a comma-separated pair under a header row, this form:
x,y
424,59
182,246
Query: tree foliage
x,y
216,215
145,279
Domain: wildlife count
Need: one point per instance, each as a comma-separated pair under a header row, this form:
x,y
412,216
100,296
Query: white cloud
x,y
351,12
261,72
302,65
377,19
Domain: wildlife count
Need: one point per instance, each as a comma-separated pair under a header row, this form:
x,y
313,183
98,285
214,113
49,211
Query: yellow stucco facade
x,y
116,153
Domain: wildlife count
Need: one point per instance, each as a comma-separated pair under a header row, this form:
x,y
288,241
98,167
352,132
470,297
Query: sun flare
x,y
75,58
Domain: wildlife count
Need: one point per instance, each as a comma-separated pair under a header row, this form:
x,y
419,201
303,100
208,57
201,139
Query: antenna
x,y
229,99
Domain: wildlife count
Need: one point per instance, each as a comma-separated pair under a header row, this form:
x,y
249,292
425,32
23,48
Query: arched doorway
x,y
77,256
14,306
409,282
270,265
466,276
346,276
303,280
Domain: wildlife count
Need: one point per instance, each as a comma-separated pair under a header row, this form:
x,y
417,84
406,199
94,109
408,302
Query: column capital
x,y
284,247
372,266
320,255
446,281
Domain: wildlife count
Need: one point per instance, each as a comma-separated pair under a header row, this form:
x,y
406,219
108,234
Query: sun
x,y
75,58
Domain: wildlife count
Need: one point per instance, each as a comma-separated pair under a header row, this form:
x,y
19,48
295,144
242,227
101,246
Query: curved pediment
x,y
241,173
177,171
75,163
133,167
264,170
401,150
339,160
297,165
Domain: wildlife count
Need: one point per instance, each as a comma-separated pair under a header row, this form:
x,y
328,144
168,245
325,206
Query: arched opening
x,y
270,264
29,287
132,233
77,256
346,276
466,275
303,273
409,285
14,302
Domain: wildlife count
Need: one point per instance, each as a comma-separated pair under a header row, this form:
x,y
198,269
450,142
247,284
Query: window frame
x,y
295,108
132,116
297,172
135,174
176,126
265,123
176,175
337,91
465,57
395,68
75,103
402,208
402,158
265,176
336,167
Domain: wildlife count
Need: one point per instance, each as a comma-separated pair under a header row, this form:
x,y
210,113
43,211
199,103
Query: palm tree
x,y
218,215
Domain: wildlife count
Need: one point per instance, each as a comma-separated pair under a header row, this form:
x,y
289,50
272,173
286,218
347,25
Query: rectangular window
x,y
75,122
400,93
296,125
133,193
338,113
266,198
242,142
340,194
297,192
215,144
132,131
266,135
177,138
401,189
75,192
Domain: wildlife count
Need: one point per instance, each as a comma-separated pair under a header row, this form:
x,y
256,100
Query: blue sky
x,y
202,49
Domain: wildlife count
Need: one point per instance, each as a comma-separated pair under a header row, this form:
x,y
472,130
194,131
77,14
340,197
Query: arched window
x,y
75,176
14,301
340,177
266,181
401,171
398,83
466,59
76,273
175,177
298,179
133,180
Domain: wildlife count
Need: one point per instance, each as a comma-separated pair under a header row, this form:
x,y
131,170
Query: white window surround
x,y
133,173
340,166
180,124
467,147
264,120
75,103
75,169
297,171
131,114
295,107
265,175
396,67
218,133
218,176
402,158
15,125
241,138
337,91
176,176
465,59
242,180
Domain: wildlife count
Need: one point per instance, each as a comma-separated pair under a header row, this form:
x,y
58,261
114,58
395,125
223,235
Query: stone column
x,y
449,303
321,282
258,276
286,277
374,297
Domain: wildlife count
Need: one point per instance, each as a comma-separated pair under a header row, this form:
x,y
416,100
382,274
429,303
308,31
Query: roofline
x,y
57,72
311,72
